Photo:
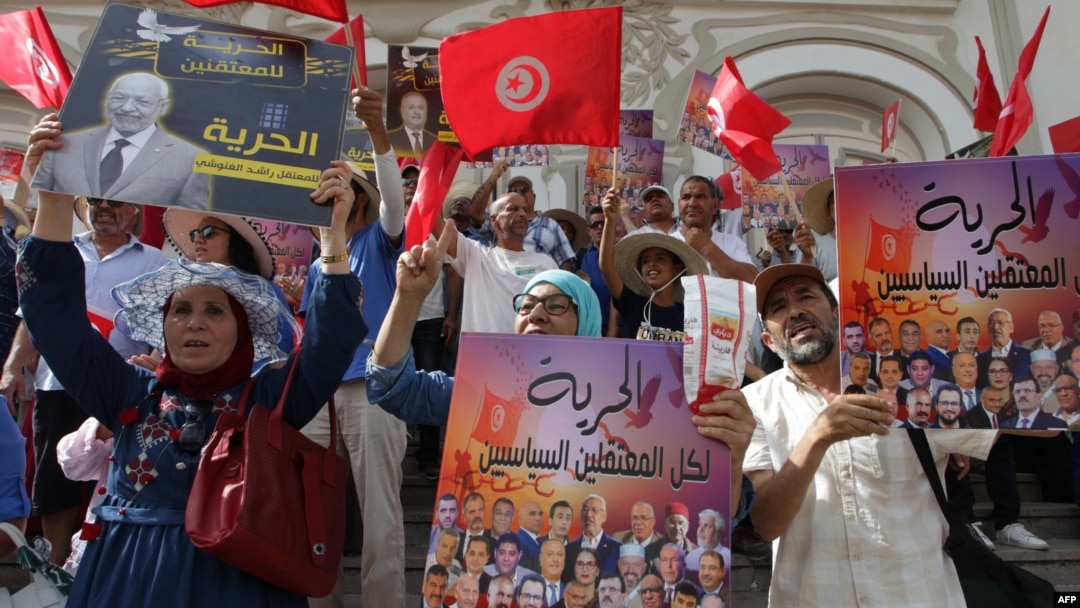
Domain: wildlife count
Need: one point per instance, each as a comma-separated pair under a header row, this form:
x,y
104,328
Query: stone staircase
x,y
1058,523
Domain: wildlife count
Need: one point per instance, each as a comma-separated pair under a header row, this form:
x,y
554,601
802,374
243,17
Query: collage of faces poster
x,y
601,426
223,117
639,163
973,265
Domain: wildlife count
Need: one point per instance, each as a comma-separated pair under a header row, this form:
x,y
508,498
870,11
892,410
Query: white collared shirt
x,y
136,143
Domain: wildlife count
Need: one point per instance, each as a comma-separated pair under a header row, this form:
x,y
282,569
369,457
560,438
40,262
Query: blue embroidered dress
x,y
143,556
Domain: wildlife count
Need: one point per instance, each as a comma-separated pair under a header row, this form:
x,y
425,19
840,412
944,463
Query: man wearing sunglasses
x,y
130,159
112,254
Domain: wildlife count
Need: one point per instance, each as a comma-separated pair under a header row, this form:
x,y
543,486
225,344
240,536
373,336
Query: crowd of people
x,y
131,379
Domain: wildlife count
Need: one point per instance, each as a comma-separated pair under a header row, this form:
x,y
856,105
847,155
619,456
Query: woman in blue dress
x,y
212,322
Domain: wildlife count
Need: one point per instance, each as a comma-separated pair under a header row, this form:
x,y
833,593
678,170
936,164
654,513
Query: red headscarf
x,y
235,370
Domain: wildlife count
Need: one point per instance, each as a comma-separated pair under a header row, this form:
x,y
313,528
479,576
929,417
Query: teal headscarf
x,y
588,306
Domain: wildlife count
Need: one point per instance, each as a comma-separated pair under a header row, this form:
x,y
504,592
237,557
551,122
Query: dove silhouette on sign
x,y
1072,179
1039,229
157,32
411,61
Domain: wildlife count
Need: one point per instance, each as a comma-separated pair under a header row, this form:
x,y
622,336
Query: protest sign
x,y
695,128
976,255
176,111
768,202
356,144
638,123
545,419
415,117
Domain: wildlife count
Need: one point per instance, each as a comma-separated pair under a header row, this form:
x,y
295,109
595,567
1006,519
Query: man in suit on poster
x,y
593,516
132,158
412,138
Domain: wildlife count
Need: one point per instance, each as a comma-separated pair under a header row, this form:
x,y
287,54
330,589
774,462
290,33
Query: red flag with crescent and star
x,y
551,78
1017,113
889,121
33,63
498,419
889,251
745,123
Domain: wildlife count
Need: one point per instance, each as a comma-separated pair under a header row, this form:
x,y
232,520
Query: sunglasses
x,y
522,190
207,231
412,181
596,224
192,435
94,202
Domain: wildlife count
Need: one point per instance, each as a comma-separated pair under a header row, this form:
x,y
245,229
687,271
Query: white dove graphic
x,y
157,32
411,61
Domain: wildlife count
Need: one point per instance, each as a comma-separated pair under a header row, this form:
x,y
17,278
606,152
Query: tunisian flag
x,y
730,185
436,174
497,420
889,120
356,26
889,250
334,10
552,79
33,64
745,123
1018,113
987,100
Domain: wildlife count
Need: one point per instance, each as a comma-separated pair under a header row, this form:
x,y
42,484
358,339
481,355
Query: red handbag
x,y
270,501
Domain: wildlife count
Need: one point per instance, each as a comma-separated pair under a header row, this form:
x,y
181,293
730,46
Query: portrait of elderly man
x,y
412,138
131,158
1052,336
710,531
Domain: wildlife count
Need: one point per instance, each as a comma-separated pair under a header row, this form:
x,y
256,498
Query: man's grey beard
x,y
808,353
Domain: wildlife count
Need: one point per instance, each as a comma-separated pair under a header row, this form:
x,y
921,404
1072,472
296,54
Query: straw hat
x,y
179,223
16,218
628,251
581,234
371,212
142,302
815,205
462,188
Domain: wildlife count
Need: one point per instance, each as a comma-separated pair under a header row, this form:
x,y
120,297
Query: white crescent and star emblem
x,y
43,66
716,115
522,84
888,246
892,125
498,417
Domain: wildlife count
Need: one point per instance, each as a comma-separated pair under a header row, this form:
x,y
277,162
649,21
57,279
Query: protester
x,y
111,254
212,321
14,502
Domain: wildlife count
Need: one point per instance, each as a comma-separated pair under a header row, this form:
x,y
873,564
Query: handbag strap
x,y
926,458
275,425
14,532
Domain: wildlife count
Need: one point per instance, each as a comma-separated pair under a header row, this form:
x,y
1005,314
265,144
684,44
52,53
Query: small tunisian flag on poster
x,y
552,78
889,120
745,123
987,100
334,10
32,62
890,250
1018,113
498,419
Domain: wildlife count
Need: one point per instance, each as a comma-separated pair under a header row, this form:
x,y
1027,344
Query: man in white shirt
x,y
827,469
699,198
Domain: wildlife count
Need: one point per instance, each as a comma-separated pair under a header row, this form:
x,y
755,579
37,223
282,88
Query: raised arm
x,y
368,106
607,245
483,195
724,265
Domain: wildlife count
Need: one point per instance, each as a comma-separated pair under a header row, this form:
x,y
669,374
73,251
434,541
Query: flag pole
x,y
352,45
795,206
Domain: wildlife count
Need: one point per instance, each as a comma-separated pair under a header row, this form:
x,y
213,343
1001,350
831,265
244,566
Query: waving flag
x,y
889,249
33,64
552,78
436,174
987,100
890,119
745,123
334,10
1018,113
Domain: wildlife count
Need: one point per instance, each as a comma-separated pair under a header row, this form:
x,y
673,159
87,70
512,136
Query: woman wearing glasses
x,y
211,321
555,302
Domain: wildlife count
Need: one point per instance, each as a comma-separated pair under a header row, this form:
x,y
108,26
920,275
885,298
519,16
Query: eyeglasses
x,y
949,403
532,597
645,590
94,202
192,435
412,181
589,565
1071,389
207,232
997,372
522,190
556,304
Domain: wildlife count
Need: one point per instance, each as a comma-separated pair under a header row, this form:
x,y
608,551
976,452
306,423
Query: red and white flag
x,y
1065,136
497,420
11,162
1017,113
334,10
552,78
730,185
987,100
890,120
33,63
436,174
890,250
356,27
745,123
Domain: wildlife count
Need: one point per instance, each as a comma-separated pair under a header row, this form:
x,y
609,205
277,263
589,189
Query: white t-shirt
x,y
732,245
493,276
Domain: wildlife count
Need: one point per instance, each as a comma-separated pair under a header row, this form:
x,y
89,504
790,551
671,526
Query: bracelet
x,y
330,259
